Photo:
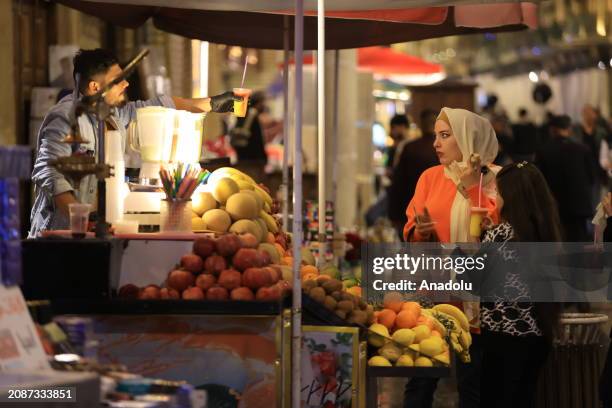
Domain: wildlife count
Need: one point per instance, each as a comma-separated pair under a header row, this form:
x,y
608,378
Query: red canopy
x,y
386,61
345,28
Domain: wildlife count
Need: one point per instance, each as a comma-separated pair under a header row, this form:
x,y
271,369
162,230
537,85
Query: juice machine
x,y
162,136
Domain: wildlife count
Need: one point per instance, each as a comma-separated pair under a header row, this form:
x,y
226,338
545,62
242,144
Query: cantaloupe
x,y
244,226
217,220
241,206
197,224
224,189
202,202
257,198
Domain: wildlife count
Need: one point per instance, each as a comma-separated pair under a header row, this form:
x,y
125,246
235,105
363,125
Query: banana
x,y
465,357
439,327
465,338
229,172
428,313
270,221
456,313
264,194
457,347
267,208
448,321
243,184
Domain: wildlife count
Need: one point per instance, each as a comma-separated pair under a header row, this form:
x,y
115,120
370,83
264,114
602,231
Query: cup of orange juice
x,y
476,216
240,107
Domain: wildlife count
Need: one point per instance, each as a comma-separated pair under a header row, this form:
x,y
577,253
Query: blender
x,y
153,140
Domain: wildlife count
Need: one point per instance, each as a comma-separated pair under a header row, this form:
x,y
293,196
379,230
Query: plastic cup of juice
x,y
477,214
240,107
79,219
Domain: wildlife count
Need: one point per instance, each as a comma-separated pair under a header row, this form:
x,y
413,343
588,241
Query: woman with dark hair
x,y
516,333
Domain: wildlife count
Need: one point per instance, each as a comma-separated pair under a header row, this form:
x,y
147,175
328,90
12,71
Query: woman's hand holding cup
x,y
471,175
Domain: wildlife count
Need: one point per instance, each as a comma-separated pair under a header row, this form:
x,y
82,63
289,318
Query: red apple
x,y
180,280
246,258
249,240
255,278
228,244
230,279
192,263
193,293
215,264
274,277
150,292
284,286
169,293
205,281
265,258
242,293
217,293
128,291
204,247
268,294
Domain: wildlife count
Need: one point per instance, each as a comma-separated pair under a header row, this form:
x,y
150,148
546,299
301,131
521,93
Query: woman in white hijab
x,y
440,210
466,146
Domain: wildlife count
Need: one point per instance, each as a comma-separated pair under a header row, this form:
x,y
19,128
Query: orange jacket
x,y
437,192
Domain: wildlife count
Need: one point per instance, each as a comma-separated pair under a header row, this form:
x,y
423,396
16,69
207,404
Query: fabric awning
x,y
350,27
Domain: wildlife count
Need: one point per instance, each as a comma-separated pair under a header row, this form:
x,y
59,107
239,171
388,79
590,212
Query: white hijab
x,y
474,135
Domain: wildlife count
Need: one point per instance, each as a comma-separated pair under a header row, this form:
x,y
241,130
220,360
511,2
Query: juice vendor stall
x,y
163,20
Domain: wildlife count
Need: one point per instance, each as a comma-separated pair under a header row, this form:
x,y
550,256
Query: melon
x,y
224,189
242,206
244,226
198,224
257,197
202,202
217,220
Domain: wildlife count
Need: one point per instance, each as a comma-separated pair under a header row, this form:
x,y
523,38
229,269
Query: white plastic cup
x,y
79,219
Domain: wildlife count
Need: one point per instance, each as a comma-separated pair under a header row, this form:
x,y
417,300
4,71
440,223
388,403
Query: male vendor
x,y
95,69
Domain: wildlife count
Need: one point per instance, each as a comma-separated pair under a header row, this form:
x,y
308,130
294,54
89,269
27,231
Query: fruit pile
x,y
329,292
234,267
234,202
406,335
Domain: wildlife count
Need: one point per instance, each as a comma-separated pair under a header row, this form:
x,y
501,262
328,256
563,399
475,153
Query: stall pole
x,y
321,127
285,188
335,131
296,327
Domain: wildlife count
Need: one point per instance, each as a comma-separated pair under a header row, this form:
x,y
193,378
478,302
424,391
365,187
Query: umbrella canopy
x,y
255,25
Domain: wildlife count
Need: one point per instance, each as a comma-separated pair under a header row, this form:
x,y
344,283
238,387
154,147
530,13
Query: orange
x,y
309,269
406,319
271,240
309,276
393,301
424,320
287,260
436,333
386,317
414,306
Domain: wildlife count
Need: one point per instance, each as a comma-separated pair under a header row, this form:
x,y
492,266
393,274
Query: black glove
x,y
224,102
